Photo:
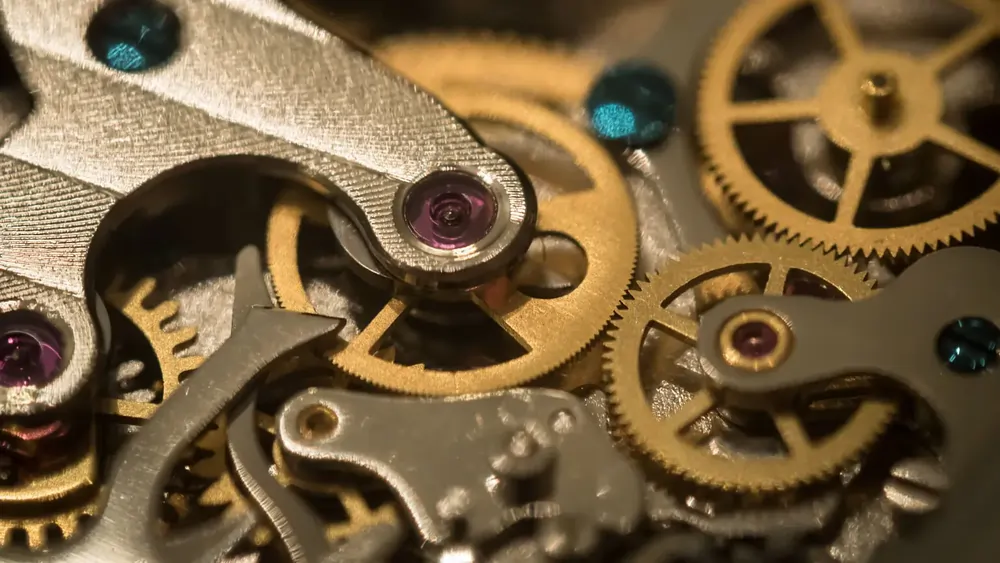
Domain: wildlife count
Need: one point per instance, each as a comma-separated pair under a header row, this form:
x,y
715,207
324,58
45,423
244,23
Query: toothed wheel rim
x,y
718,114
660,439
601,220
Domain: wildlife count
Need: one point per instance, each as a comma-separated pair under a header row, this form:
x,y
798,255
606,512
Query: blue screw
x,y
134,35
633,103
969,345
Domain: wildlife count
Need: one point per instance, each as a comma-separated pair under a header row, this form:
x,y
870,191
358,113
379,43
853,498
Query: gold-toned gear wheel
x,y
600,220
545,73
661,436
873,104
72,483
164,344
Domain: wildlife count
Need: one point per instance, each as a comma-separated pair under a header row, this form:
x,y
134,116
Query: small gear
x,y
662,433
164,344
879,110
78,477
552,331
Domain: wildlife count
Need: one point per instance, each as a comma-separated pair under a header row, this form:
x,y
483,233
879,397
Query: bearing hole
x,y
317,422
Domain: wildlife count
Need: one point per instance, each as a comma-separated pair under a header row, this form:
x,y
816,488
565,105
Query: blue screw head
x,y
134,35
969,345
633,103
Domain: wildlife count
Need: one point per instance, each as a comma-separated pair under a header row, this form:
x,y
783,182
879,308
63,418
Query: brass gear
x,y
72,482
510,65
150,323
660,438
553,331
851,106
546,73
70,490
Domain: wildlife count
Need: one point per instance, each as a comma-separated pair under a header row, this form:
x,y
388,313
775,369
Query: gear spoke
x,y
661,437
563,213
858,172
966,146
792,432
837,20
772,111
700,404
962,46
368,338
776,280
678,325
528,322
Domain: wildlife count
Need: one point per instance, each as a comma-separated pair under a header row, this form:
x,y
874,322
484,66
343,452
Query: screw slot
x,y
317,422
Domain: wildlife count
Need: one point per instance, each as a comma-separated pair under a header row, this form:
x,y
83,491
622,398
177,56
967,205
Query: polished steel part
x,y
838,338
577,317
886,335
127,529
76,332
481,463
336,118
811,515
299,529
662,436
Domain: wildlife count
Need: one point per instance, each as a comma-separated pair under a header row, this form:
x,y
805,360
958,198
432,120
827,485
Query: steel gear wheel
x,y
577,317
661,438
873,104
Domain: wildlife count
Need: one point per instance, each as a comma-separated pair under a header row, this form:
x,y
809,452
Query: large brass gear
x,y
72,482
601,220
659,437
851,107
545,73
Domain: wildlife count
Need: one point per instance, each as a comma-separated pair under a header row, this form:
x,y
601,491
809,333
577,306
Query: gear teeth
x,y
38,530
634,419
181,336
748,192
591,307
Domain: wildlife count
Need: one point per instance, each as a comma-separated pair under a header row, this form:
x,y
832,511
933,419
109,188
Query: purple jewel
x,y
29,354
449,209
755,339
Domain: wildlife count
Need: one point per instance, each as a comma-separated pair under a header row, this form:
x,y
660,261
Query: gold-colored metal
x,y
441,63
872,103
150,323
662,437
545,73
736,358
71,490
601,220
